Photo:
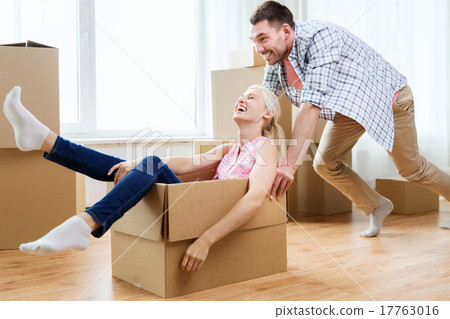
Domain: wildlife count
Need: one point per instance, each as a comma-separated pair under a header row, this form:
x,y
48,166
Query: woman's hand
x,y
195,255
123,168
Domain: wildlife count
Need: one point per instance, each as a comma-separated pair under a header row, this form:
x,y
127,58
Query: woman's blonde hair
x,y
272,129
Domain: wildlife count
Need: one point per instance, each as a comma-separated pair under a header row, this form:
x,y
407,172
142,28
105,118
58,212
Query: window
x,y
145,64
124,65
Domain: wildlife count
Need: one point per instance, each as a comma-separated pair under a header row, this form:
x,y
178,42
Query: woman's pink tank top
x,y
237,164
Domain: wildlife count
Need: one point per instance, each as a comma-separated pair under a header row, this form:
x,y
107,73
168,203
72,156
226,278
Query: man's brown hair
x,y
274,12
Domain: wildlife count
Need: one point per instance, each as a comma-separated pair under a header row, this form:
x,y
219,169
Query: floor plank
x,y
327,260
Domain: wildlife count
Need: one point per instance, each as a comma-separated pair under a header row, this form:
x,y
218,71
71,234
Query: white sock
x,y
30,134
73,234
445,224
383,209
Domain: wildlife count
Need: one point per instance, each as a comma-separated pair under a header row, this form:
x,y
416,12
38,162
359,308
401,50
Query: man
x,y
330,73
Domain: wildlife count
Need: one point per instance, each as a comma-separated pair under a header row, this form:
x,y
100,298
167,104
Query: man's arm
x,y
323,55
304,128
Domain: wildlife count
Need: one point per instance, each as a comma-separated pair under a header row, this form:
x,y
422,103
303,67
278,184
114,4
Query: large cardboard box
x,y
34,67
407,197
316,196
149,242
246,57
36,195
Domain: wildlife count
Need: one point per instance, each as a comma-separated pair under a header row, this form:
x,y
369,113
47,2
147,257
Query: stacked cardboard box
x,y
35,195
246,57
314,195
407,197
149,242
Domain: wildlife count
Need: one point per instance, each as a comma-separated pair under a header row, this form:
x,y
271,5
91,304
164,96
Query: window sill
x,y
125,140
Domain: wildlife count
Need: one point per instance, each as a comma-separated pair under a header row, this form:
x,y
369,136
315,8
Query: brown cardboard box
x,y
246,57
36,195
149,242
34,67
408,198
227,87
315,195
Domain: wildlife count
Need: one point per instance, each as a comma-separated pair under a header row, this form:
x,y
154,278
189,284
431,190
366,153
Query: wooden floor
x,y
327,260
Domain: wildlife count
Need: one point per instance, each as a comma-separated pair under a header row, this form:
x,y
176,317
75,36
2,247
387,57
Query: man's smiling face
x,y
270,41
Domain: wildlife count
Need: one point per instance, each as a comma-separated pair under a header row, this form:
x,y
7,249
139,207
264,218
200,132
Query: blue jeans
x,y
127,193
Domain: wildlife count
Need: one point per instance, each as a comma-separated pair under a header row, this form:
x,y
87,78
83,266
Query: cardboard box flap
x,y
147,219
38,45
29,43
195,207
18,44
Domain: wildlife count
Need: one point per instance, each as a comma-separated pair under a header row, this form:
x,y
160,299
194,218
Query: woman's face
x,y
250,106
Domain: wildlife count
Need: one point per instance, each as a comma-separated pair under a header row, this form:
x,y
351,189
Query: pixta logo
x,y
147,143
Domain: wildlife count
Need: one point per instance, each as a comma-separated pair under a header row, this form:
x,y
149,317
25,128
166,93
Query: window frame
x,y
85,128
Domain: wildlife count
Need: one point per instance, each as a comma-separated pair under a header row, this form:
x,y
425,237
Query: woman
x,y
255,115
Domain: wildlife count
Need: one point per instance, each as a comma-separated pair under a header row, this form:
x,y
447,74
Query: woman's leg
x,y
74,235
129,191
49,142
30,134
82,159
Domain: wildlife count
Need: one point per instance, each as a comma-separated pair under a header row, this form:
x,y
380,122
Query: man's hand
x,y
283,180
195,255
123,168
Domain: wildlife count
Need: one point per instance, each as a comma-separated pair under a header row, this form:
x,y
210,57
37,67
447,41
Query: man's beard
x,y
279,58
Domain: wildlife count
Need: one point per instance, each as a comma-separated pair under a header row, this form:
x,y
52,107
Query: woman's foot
x,y
383,209
30,134
73,234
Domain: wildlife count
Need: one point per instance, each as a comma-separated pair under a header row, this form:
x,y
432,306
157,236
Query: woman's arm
x,y
178,165
260,183
190,164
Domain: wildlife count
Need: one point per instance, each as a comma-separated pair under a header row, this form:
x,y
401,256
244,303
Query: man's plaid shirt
x,y
340,73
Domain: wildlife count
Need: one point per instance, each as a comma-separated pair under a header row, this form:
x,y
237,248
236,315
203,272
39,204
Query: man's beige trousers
x,y
341,135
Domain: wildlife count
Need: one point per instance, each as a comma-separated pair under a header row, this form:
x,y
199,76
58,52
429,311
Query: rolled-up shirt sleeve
x,y
322,58
271,79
